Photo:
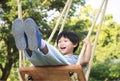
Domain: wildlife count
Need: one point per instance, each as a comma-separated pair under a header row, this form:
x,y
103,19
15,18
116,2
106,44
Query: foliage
x,y
36,9
107,54
107,50
105,71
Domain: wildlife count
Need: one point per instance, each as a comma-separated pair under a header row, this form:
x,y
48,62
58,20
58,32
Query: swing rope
x,y
21,56
89,33
64,18
66,13
58,21
96,39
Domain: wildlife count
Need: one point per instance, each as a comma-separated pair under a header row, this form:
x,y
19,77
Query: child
x,y
40,53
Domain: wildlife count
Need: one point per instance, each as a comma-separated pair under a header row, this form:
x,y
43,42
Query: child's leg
x,y
21,39
53,57
34,42
36,58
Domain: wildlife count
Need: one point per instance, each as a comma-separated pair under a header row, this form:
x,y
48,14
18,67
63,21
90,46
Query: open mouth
x,y
62,48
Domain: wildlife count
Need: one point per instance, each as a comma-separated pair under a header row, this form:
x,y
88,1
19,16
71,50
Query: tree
x,y
35,9
107,54
108,44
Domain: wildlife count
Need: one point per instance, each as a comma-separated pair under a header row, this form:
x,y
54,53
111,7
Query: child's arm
x,y
87,55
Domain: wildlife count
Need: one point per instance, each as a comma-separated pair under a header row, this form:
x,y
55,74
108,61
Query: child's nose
x,y
62,43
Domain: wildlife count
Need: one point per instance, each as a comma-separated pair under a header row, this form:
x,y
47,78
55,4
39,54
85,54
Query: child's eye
x,y
59,41
65,40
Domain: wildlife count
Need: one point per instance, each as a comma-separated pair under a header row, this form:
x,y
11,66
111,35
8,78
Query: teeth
x,y
62,47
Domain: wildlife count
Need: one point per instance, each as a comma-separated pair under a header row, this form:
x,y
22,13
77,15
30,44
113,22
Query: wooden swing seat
x,y
52,73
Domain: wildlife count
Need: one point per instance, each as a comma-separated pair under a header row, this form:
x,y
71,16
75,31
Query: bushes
x,y
105,71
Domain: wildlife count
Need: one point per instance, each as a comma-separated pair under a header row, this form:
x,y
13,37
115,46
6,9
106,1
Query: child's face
x,y
65,46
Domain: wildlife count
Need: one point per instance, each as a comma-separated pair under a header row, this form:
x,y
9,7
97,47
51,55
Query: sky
x,y
113,7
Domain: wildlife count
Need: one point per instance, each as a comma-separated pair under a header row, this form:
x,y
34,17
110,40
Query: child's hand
x,y
87,41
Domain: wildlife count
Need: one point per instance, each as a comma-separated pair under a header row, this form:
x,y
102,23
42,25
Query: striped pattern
x,y
72,59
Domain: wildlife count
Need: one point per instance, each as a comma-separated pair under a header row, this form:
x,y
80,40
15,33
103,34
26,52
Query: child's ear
x,y
75,45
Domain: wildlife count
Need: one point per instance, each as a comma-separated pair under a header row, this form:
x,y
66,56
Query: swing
x,y
61,73
52,73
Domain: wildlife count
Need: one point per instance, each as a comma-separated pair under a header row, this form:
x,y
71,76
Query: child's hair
x,y
72,36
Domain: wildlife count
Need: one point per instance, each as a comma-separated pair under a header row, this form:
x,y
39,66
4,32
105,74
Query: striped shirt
x,y
72,59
